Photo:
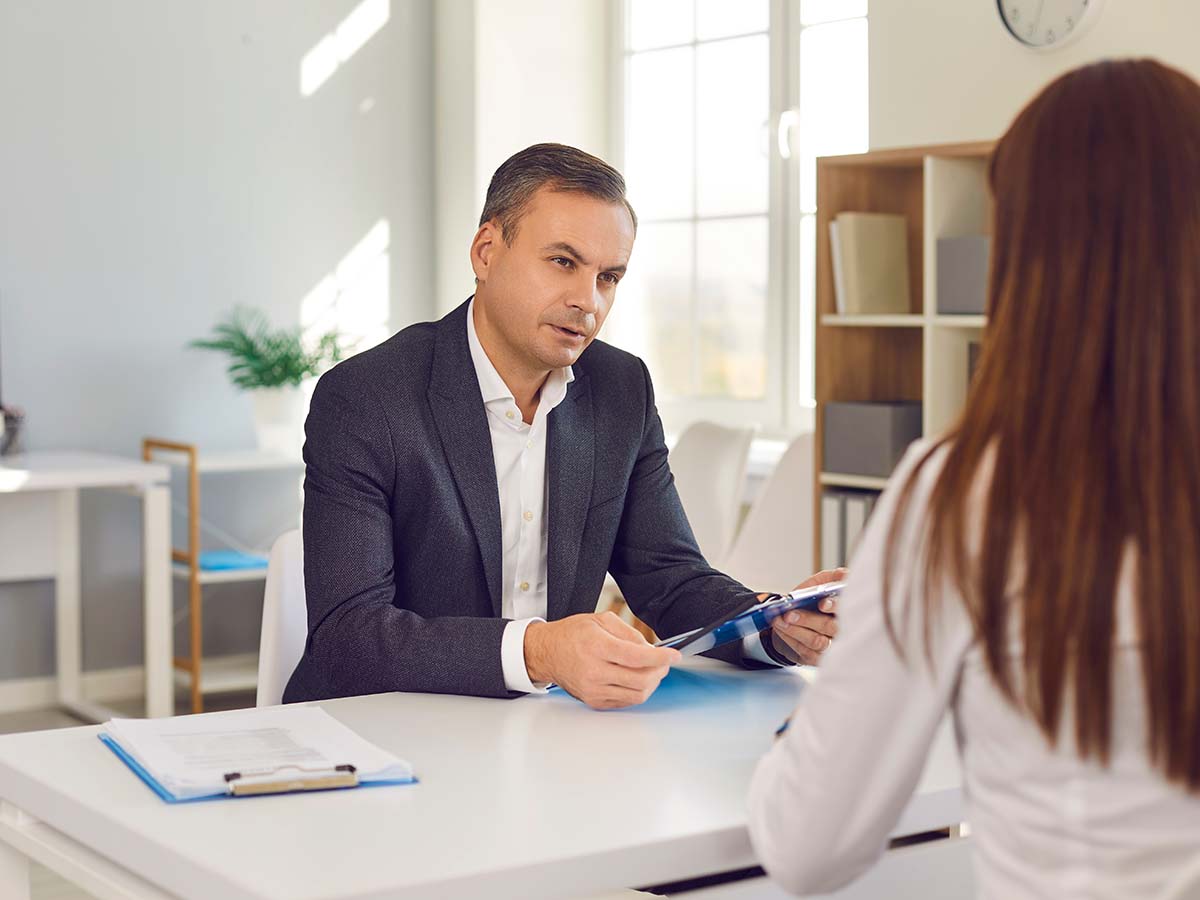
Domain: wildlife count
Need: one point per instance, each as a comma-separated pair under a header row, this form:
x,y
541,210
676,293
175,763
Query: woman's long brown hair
x,y
1085,410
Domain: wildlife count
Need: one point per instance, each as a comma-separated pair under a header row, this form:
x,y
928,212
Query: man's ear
x,y
486,242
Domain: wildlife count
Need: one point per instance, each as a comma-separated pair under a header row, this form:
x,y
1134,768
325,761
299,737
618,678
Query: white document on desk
x,y
191,756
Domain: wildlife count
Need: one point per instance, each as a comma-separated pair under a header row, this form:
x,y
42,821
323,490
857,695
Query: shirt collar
x,y
492,386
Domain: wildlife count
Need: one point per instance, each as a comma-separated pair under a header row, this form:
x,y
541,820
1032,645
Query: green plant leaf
x,y
260,357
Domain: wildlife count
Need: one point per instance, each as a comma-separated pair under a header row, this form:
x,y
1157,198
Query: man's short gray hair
x,y
554,166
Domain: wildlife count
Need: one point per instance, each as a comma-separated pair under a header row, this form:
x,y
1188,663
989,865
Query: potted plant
x,y
270,365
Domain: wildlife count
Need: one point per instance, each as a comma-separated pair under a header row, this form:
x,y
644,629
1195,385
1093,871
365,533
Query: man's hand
x,y
802,636
597,658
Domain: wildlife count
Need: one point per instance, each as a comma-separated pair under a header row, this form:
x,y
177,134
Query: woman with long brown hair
x,y
1036,569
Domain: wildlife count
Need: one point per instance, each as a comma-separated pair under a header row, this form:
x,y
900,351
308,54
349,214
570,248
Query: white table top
x,y
48,470
236,460
535,797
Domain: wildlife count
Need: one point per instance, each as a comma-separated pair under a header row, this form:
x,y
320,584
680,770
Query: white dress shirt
x,y
1044,823
519,451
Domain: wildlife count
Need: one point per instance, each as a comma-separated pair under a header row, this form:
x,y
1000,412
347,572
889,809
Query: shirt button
x,y
528,516
508,414
524,585
529,445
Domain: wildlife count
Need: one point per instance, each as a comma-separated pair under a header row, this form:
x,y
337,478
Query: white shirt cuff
x,y
512,658
752,648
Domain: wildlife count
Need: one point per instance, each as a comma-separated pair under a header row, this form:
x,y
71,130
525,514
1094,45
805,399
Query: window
x,y
725,107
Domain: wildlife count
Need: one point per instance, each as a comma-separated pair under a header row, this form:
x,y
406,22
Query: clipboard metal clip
x,y
298,778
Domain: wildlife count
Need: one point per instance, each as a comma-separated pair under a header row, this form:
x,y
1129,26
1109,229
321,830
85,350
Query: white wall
x,y
158,165
541,74
946,70
520,72
454,148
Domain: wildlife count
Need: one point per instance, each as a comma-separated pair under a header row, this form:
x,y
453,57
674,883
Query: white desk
x,y
538,797
39,539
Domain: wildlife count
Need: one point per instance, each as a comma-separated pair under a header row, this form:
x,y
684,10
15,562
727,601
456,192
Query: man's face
x,y
547,294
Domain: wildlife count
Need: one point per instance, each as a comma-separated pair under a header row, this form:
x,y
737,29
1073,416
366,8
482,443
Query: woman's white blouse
x,y
1044,823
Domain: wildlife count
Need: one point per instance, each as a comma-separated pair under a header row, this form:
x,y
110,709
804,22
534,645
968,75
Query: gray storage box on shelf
x,y
868,438
962,268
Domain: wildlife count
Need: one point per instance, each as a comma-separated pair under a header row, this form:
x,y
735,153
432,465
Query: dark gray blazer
x,y
402,545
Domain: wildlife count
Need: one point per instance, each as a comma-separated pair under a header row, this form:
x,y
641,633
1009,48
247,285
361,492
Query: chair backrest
x,y
285,619
709,465
773,550
1186,885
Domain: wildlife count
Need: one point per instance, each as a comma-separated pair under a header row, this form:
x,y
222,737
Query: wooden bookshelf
x,y
942,192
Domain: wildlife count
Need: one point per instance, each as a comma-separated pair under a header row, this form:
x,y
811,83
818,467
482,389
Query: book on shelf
x,y
832,508
844,515
855,522
869,252
835,250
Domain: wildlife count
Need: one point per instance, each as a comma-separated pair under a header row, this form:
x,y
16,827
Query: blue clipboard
x,y
754,616
165,795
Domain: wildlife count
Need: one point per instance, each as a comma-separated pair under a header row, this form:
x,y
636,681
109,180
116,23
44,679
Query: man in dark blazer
x,y
470,481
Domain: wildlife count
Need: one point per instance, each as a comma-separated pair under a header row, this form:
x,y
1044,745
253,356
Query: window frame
x,y
783,411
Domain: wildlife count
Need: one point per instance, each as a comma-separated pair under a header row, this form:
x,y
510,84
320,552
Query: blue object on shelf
x,y
217,560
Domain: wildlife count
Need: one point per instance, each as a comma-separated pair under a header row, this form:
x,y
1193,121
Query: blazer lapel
x,y
462,425
570,442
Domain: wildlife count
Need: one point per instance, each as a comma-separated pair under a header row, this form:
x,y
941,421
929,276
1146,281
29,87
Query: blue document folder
x,y
227,560
754,617
165,795
149,780
246,752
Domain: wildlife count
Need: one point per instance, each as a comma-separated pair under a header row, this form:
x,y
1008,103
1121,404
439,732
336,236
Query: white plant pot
x,y
279,419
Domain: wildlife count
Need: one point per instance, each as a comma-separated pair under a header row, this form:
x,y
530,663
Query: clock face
x,y
1043,23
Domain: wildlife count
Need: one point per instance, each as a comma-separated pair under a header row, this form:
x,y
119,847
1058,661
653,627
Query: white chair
x,y
1186,885
285,619
773,550
709,465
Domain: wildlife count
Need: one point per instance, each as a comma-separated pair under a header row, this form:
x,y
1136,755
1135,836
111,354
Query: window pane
x,y
724,18
660,145
833,97
731,294
659,23
808,306
652,316
732,97
814,12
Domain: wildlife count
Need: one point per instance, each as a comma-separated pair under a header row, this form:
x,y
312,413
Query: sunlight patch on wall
x,y
336,48
354,298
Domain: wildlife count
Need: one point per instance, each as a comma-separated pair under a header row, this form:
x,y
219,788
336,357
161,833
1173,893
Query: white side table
x,y
39,539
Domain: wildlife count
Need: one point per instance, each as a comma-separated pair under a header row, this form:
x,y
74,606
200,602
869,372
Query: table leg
x,y
67,604
14,873
156,560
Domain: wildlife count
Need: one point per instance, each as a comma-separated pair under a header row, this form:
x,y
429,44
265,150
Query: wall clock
x,y
1047,24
